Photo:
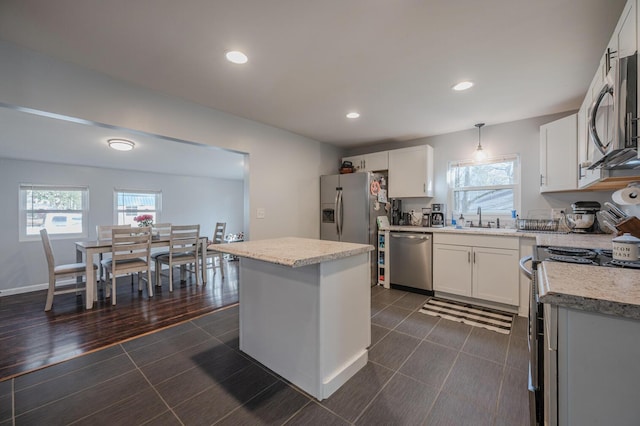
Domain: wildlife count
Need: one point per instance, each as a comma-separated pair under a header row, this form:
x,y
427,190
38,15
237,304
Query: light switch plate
x,y
260,213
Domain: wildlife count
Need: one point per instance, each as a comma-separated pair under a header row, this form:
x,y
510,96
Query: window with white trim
x,y
62,210
132,203
493,185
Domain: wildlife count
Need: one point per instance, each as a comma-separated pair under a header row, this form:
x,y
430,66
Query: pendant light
x,y
479,155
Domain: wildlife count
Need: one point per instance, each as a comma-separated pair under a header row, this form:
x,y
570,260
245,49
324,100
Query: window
x,y
493,185
62,210
131,203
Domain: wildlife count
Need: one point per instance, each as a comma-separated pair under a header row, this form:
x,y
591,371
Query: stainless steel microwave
x,y
613,117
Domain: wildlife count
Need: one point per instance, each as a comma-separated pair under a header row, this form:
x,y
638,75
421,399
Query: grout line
x,y
246,402
13,402
154,389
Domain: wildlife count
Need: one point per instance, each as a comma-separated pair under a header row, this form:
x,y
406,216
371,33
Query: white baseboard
x,y
24,289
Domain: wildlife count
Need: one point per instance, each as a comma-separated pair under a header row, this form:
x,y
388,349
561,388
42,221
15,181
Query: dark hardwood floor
x,y
31,338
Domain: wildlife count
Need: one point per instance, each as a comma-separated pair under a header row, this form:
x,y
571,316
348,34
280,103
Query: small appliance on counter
x,y
438,215
426,216
583,218
396,211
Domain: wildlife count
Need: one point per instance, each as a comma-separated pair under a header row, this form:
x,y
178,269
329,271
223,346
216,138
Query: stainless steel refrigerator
x,y
349,207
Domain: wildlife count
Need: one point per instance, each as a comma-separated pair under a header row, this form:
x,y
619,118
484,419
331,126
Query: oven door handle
x,y
527,272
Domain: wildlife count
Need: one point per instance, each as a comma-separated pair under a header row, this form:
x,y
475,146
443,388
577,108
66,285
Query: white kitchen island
x,y
305,309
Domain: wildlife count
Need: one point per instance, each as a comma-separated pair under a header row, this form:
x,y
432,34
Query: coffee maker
x,y
396,211
438,215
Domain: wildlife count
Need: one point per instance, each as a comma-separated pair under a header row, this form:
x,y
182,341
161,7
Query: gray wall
x,y
517,137
185,200
284,168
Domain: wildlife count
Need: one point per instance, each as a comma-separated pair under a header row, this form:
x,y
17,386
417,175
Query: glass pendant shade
x,y
479,154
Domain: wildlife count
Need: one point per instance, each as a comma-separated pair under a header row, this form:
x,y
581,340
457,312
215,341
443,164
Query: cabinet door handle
x,y
364,164
541,179
474,257
469,257
424,187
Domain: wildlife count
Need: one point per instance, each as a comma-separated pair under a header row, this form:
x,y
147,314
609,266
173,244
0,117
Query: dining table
x,y
87,250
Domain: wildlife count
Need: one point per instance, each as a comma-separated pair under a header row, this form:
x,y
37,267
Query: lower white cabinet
x,y
480,267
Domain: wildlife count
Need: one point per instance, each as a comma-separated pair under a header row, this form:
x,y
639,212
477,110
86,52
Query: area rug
x,y
472,315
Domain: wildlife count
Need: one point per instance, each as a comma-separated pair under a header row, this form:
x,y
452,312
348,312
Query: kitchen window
x,y
131,203
62,210
493,185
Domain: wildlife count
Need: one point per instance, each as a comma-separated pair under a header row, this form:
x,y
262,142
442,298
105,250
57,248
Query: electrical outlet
x,y
261,213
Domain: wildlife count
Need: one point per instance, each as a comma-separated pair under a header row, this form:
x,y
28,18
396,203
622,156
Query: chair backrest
x,y
162,229
184,240
130,243
218,234
104,231
48,251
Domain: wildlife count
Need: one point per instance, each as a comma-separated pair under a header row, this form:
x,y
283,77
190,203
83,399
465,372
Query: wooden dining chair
x,y
70,270
218,238
104,233
130,253
183,250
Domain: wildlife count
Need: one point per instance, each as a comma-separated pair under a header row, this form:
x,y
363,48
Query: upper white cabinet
x,y
411,172
373,162
625,34
559,155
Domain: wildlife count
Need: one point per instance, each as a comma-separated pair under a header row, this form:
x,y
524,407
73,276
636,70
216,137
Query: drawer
x,y
475,240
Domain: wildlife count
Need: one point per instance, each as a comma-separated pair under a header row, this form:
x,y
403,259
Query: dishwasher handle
x,y
411,237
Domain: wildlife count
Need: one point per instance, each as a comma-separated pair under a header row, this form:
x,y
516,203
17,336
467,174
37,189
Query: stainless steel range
x,y
574,255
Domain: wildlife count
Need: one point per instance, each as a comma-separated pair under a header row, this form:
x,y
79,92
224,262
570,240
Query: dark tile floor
x,y
421,370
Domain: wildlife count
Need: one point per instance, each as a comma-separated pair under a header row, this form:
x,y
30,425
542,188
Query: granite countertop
x,y
293,252
612,291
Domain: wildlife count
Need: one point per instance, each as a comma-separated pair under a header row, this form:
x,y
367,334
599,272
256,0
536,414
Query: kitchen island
x,y
305,309
591,337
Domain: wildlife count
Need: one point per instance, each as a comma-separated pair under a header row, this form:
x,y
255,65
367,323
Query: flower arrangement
x,y
144,220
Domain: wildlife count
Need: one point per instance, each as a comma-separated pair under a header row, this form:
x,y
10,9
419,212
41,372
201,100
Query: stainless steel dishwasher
x,y
410,260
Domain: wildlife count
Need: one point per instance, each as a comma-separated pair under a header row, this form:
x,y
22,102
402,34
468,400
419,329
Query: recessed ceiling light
x,y
237,57
463,85
353,115
121,144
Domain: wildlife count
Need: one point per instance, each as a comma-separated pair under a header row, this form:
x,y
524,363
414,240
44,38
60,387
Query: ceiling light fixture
x,y
479,154
463,85
353,115
237,57
121,144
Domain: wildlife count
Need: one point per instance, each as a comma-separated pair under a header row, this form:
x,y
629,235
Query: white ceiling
x,y
28,136
310,62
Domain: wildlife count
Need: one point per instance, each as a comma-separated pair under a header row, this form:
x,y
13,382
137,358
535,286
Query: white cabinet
x,y
559,155
373,162
452,269
593,368
411,172
625,33
480,267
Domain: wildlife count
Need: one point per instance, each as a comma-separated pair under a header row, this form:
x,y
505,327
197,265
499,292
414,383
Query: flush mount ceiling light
x,y
353,115
121,144
237,57
463,85
479,154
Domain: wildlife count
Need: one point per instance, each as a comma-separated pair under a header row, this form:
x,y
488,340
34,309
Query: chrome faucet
x,y
479,217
